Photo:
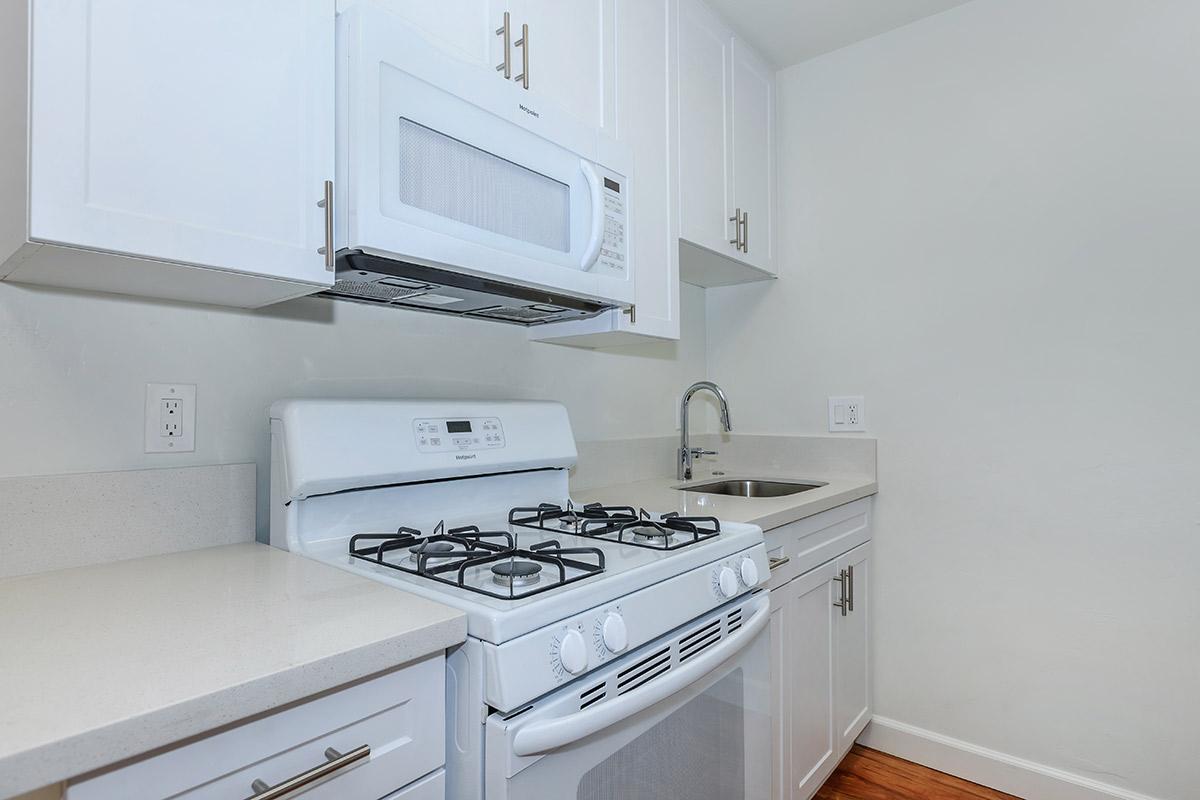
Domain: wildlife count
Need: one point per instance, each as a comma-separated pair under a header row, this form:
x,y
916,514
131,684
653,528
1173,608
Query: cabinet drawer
x,y
400,716
810,542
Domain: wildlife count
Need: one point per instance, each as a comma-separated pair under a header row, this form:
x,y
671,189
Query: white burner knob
x,y
749,572
572,652
727,582
615,635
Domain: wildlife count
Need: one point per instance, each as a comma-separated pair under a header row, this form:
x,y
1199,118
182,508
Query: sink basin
x,y
751,488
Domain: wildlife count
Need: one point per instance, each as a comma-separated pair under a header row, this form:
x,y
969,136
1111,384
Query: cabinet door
x,y
199,133
781,677
703,100
754,153
569,54
812,632
465,28
852,697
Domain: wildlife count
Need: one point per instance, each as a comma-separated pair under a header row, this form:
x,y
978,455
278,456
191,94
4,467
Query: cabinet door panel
x,y
570,54
811,630
853,688
200,133
753,153
703,136
781,677
466,28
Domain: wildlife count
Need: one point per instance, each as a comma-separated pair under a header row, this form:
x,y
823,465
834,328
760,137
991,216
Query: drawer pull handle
x,y
337,761
776,563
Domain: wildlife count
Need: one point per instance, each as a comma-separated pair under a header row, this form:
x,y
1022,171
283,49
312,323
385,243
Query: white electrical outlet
x,y
847,414
170,417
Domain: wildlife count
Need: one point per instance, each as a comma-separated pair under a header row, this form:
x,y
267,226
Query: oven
x,y
684,716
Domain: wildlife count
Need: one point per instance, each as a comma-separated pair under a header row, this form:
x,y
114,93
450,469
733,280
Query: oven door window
x,y
681,756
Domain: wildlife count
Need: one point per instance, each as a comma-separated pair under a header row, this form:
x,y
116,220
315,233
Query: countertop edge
x,y
94,749
814,506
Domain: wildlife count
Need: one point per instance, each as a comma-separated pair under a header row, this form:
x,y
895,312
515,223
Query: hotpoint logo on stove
x,y
464,456
528,110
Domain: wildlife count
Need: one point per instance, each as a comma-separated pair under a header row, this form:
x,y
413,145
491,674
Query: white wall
x,y
991,228
73,369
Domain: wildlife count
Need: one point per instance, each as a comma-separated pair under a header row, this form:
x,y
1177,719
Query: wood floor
x,y
871,775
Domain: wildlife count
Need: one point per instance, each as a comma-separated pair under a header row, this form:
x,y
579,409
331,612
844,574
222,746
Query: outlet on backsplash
x,y
847,414
170,417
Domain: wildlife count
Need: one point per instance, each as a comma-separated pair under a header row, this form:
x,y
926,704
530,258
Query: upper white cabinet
x,y
644,121
726,146
196,134
561,52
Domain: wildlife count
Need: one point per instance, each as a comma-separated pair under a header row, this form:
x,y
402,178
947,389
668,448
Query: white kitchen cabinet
x,y
568,55
183,147
464,28
644,122
390,731
820,658
853,687
726,145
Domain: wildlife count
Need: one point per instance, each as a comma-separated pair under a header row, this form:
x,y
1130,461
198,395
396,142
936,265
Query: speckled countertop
x,y
105,662
660,495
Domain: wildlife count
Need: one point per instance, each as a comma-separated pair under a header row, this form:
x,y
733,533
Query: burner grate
x,y
428,557
622,524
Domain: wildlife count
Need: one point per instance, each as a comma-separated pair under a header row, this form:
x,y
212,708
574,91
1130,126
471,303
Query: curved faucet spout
x,y
686,454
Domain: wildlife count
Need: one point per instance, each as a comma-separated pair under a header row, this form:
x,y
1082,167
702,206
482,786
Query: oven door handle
x,y
542,737
592,251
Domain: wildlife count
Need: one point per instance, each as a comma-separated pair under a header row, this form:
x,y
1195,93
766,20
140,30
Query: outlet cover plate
x,y
157,439
847,414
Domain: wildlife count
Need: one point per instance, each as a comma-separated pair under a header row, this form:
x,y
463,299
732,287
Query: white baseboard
x,y
1016,776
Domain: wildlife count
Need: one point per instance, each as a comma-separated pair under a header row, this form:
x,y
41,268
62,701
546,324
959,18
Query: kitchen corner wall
x,y
74,368
990,229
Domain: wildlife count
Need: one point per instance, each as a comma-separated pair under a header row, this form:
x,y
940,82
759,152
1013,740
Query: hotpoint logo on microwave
x,y
464,456
528,110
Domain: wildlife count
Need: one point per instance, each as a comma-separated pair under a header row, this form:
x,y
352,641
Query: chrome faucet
x,y
686,453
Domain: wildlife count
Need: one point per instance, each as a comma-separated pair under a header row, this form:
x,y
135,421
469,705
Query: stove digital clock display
x,y
460,426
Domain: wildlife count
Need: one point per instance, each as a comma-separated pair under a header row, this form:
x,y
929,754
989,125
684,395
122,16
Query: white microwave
x,y
459,193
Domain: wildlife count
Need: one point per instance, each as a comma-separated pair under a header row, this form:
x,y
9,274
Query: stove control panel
x,y
450,435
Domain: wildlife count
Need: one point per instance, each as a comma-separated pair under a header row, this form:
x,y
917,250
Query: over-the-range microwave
x,y
461,193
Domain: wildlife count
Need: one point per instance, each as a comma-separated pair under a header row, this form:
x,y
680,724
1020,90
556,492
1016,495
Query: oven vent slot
x,y
735,621
644,671
700,640
593,695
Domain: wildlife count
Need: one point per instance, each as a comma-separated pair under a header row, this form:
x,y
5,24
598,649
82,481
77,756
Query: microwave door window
x,y
458,181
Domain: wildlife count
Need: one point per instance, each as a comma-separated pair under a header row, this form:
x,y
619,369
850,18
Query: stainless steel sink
x,y
751,488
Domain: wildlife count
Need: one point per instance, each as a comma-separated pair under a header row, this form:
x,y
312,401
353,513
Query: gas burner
x,y
650,533
668,532
480,561
516,573
557,519
430,550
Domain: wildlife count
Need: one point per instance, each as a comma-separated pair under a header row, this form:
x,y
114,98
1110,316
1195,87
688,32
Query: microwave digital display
x,y
458,427
612,185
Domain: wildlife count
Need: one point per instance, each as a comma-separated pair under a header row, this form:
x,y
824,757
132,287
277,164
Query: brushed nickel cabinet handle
x,y
850,583
843,602
745,231
297,783
327,204
736,219
632,312
523,43
506,31
775,563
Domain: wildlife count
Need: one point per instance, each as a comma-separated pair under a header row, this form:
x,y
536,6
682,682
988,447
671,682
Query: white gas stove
x,y
467,503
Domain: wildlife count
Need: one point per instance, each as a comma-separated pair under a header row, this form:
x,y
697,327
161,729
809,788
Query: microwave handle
x,y
542,737
592,251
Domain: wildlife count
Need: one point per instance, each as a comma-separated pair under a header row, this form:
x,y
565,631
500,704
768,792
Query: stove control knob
x,y
616,638
572,652
727,582
749,572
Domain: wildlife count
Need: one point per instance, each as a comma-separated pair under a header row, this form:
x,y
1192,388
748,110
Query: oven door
x,y
686,716
442,164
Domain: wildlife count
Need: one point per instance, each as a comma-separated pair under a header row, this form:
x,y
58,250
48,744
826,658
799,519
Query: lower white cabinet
x,y
387,732
820,626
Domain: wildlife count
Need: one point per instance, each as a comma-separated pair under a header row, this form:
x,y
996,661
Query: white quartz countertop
x,y
660,495
105,662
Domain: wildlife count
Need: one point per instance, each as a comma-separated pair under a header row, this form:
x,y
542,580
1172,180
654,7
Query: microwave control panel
x,y
613,249
451,435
